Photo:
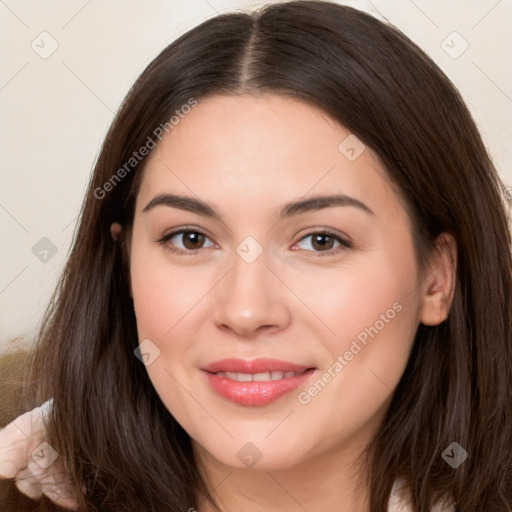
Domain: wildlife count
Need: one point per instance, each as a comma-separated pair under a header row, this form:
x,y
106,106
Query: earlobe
x,y
116,230
440,283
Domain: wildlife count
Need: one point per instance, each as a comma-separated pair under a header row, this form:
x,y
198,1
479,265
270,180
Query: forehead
x,y
256,151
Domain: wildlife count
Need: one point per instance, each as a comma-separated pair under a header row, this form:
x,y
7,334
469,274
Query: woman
x,y
289,289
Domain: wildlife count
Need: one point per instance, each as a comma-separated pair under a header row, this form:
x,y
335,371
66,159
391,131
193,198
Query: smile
x,y
260,377
257,382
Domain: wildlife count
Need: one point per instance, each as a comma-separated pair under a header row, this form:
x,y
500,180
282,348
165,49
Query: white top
x,y
398,501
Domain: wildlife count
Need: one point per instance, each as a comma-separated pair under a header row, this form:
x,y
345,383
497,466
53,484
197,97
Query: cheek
x,y
168,300
373,311
356,384
163,306
359,295
163,294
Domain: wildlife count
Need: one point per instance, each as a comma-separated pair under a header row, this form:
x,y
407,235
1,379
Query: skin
x,y
247,157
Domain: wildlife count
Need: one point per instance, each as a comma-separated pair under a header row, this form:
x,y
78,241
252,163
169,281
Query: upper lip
x,y
260,365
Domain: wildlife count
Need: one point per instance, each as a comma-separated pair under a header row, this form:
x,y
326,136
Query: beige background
x,y
56,108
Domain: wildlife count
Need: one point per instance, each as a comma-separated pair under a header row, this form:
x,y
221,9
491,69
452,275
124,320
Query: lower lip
x,y
256,392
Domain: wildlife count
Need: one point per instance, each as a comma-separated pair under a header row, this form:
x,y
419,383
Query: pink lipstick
x,y
257,381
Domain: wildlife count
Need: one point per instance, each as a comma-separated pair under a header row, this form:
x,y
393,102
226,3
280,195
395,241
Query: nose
x,y
251,299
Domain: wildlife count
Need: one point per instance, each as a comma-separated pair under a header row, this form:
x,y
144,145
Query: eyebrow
x,y
309,204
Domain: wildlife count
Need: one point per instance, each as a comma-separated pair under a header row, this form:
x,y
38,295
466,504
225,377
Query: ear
x,y
116,230
439,286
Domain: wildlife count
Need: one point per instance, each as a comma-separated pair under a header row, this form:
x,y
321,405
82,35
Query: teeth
x,y
258,377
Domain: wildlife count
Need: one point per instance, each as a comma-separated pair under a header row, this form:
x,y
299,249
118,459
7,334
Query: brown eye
x,y
192,240
324,244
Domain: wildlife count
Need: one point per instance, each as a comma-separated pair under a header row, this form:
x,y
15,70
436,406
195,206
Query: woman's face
x,y
326,289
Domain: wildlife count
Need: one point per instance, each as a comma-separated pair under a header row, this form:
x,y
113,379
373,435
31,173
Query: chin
x,y
260,453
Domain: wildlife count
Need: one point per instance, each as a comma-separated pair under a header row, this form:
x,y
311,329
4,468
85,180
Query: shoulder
x,y
13,372
399,502
12,500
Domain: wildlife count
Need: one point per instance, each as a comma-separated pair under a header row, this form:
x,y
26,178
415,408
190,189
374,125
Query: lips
x,y
258,377
256,382
253,366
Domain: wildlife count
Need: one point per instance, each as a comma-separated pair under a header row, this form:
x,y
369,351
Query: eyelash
x,y
344,244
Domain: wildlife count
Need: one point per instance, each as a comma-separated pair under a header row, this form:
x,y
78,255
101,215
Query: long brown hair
x,y
115,437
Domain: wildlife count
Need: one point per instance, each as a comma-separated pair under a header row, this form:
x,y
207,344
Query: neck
x,y
330,481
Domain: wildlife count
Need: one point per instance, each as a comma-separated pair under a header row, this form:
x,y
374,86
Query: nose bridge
x,y
250,299
250,270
